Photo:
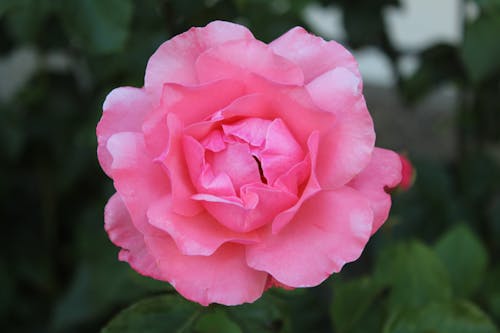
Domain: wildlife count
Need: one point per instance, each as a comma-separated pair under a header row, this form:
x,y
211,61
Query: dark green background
x,y
434,266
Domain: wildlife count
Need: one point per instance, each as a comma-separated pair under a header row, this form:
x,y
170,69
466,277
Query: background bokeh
x,y
432,83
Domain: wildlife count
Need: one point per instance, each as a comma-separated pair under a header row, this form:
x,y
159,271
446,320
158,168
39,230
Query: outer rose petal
x,y
174,162
124,110
383,172
137,179
329,230
347,146
235,59
122,233
223,277
313,54
196,235
174,60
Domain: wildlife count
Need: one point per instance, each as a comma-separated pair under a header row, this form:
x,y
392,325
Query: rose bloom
x,y
241,165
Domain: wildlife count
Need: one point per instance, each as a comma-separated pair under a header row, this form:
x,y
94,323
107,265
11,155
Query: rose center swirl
x,y
251,168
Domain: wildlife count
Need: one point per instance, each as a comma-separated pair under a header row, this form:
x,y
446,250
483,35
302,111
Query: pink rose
x,y
242,165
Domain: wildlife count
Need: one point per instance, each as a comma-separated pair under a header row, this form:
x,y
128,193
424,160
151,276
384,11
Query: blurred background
x,y
432,83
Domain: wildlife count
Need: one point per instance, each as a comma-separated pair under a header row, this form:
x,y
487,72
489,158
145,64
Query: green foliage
x,y
465,258
432,268
99,26
217,321
156,315
482,34
355,305
459,316
414,274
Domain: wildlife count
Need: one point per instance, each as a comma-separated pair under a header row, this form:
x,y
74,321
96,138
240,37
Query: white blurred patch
x,y
374,66
408,64
471,10
16,69
325,21
421,23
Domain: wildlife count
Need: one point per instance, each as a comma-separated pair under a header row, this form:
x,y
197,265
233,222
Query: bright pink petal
x,y
347,145
311,188
291,104
189,104
259,204
238,58
251,130
223,277
214,141
137,179
329,230
337,91
202,174
194,235
124,110
237,162
314,55
383,172
281,151
122,233
174,162
174,61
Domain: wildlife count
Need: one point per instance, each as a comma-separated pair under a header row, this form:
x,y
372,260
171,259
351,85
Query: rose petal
x,y
281,152
313,54
291,104
189,104
236,59
223,277
251,130
259,204
122,233
329,230
195,235
237,162
137,179
337,91
347,146
311,188
201,173
174,60
384,171
174,162
124,110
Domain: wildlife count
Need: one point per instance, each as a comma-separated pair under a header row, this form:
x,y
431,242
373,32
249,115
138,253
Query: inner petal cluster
x,y
246,171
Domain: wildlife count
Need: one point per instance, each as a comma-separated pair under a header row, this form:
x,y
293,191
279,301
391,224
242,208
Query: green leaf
x,y
98,26
465,257
159,314
263,316
414,274
460,316
481,47
351,303
216,321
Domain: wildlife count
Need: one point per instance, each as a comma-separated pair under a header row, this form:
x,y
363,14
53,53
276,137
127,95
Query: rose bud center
x,y
252,167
